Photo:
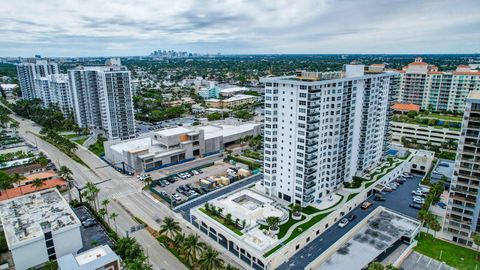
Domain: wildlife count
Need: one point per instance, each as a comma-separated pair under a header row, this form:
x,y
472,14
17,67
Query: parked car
x,y
189,186
195,172
351,217
89,223
343,223
161,184
415,205
417,193
379,197
442,205
418,200
366,205
407,175
424,189
171,180
179,189
176,197
387,189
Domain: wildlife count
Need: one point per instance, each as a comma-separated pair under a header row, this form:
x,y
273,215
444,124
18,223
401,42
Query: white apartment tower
x,y
463,210
321,129
54,90
102,99
424,85
33,69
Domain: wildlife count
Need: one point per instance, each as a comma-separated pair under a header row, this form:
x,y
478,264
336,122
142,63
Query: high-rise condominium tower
x,y
102,99
33,69
462,219
54,90
321,129
424,85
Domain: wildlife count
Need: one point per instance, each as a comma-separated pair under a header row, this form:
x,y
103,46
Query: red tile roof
x,y
26,189
405,107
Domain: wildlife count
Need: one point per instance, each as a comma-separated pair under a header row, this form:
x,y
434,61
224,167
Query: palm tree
x,y
273,223
193,248
229,267
17,178
297,209
169,227
102,212
114,216
179,241
376,266
66,173
38,183
93,191
105,205
147,181
209,260
14,125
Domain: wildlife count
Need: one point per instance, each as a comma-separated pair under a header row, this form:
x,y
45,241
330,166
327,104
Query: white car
x,y
417,193
343,223
418,200
424,189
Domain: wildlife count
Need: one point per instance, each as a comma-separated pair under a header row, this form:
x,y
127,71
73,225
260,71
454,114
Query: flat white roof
x,y
233,89
132,145
239,97
94,258
213,131
173,131
371,239
25,218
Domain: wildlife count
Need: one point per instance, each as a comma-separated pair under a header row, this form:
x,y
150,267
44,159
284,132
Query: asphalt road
x,y
397,200
112,185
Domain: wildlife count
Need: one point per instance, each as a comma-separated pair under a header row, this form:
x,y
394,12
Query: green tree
x,y
169,227
193,247
376,266
210,260
66,173
17,178
273,222
38,183
114,216
105,204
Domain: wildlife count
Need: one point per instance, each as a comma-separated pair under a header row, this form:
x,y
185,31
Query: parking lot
x,y
94,235
397,200
218,169
143,127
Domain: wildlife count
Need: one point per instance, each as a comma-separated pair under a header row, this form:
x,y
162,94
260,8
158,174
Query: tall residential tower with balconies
x,y
462,218
321,129
102,99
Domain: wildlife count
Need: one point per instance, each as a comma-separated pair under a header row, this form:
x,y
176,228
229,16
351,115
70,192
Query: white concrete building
x,y
231,91
102,257
171,146
30,70
7,89
102,99
40,227
321,129
54,90
422,84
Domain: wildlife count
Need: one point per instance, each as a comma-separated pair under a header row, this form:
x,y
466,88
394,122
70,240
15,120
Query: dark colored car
x,y
180,189
351,217
379,198
171,180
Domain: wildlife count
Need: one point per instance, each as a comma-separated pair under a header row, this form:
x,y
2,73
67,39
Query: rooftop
x,y
94,258
173,131
212,131
233,89
238,97
474,95
27,217
371,239
405,107
252,207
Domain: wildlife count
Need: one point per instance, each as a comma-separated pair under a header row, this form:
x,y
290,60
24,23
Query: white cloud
x,y
136,27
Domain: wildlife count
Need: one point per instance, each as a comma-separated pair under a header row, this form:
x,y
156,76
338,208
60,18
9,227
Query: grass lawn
x,y
445,117
81,140
351,196
69,136
284,227
298,231
456,256
222,221
97,148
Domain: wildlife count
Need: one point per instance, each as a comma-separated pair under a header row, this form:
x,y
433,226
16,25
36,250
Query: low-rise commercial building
x,y
39,227
171,146
232,102
230,92
422,134
102,257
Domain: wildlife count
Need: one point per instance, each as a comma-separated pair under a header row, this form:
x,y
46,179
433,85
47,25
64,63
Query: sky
x,y
138,27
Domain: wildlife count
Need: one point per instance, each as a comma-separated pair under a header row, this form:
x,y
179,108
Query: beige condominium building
x,y
422,84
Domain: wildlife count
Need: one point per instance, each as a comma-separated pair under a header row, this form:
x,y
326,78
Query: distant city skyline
x,y
103,28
